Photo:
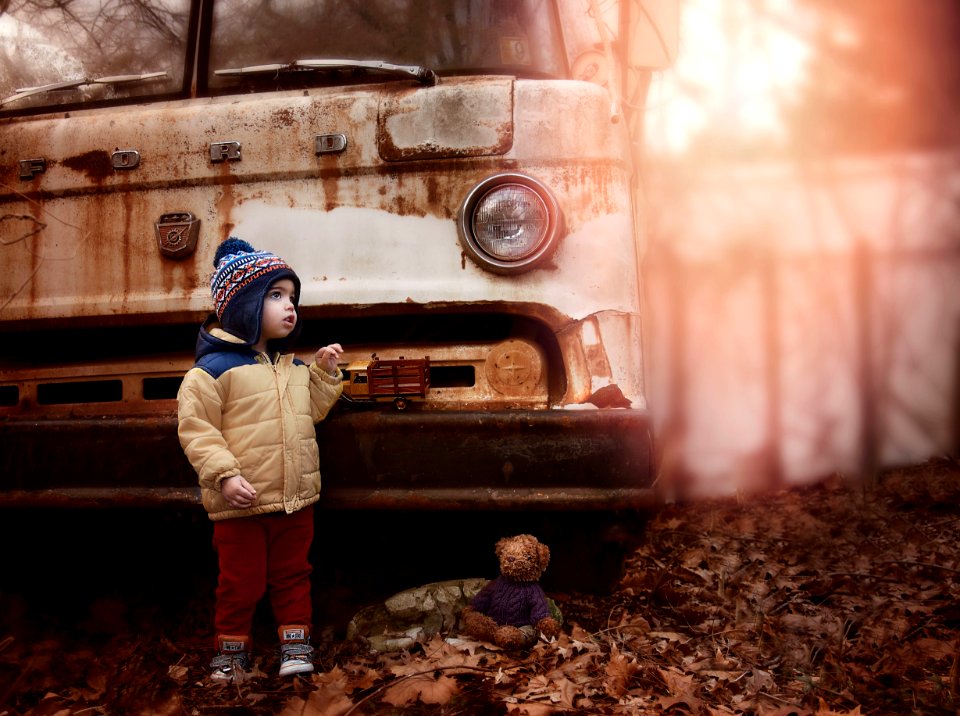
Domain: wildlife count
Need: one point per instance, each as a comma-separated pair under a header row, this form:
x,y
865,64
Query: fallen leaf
x,y
824,710
422,687
178,672
619,672
533,710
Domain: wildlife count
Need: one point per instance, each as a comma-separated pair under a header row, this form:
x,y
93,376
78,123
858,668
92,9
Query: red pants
x,y
261,552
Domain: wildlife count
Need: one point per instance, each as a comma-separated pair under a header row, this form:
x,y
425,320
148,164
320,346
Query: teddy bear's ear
x,y
544,553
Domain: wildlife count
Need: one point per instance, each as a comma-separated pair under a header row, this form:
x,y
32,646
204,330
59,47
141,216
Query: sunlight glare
x,y
738,61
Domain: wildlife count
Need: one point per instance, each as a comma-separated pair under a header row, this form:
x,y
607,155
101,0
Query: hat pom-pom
x,y
231,246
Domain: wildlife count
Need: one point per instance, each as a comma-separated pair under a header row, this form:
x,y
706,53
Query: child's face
x,y
279,316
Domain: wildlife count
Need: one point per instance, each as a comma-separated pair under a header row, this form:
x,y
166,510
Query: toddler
x,y
247,411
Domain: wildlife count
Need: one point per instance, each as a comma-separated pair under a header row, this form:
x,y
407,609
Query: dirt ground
x,y
828,599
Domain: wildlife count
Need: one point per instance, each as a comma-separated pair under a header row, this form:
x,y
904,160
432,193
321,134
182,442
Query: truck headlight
x,y
509,223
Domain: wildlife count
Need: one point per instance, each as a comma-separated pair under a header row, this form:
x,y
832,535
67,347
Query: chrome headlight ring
x,y
509,223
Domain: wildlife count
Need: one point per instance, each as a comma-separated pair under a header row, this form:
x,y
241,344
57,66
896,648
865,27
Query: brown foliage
x,y
824,600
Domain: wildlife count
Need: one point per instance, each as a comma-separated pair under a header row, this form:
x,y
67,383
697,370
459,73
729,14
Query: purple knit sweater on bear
x,y
507,601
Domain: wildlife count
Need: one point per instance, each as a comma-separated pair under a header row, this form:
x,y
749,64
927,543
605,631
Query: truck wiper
x,y
25,92
421,74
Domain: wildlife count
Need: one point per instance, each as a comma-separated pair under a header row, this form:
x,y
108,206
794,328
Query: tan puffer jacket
x,y
256,420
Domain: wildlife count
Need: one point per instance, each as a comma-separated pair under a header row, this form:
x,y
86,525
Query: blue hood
x,y
241,318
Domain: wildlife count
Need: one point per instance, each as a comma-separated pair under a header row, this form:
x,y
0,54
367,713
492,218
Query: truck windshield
x,y
519,37
72,51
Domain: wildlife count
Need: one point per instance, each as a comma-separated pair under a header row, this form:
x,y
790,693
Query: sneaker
x,y
231,662
296,654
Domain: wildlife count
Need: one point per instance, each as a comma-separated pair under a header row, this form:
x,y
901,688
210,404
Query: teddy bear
x,y
512,610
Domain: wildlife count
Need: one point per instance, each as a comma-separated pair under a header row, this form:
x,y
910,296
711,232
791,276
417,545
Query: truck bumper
x,y
370,459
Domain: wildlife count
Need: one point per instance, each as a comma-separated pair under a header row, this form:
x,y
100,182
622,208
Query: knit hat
x,y
239,283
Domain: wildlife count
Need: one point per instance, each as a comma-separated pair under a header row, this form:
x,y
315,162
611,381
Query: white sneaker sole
x,y
295,668
229,678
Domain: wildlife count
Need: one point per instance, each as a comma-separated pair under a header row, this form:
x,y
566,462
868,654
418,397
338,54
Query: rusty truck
x,y
450,178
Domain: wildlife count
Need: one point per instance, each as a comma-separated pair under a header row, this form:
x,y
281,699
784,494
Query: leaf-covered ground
x,y
831,599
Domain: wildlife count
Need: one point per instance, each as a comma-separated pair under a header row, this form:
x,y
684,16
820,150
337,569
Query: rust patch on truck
x,y
284,118
22,228
331,188
226,201
95,164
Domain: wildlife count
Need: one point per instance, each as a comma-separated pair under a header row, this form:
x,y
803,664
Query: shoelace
x,y
295,651
227,662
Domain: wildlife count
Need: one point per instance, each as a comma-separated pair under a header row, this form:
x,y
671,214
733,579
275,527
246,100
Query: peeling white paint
x,y
361,256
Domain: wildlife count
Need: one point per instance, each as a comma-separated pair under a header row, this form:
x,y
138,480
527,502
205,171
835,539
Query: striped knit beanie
x,y
239,283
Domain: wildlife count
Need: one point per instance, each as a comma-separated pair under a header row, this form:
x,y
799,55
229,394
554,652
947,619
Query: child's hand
x,y
328,356
238,492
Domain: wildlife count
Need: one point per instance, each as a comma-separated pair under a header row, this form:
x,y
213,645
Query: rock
x,y
414,615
